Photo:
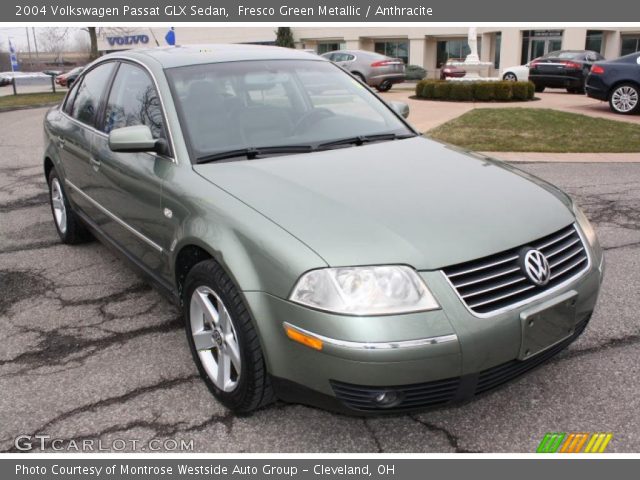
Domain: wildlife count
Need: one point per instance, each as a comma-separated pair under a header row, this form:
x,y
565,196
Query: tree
x,y
284,37
53,40
93,40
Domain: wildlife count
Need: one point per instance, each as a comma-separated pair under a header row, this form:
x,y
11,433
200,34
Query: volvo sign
x,y
128,40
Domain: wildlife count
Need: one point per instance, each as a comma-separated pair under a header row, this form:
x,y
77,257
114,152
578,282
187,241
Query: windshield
x,y
233,106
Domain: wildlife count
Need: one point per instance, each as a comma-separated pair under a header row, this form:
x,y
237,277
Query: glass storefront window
x,y
457,48
393,48
630,44
324,47
536,43
496,57
594,41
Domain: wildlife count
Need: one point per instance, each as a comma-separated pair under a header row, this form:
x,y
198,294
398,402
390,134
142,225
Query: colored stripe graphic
x,y
573,442
550,443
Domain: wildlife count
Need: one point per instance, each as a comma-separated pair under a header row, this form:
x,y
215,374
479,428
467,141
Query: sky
x,y
19,37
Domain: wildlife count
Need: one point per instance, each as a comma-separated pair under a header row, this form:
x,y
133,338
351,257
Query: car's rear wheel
x,y
70,228
510,77
385,86
625,99
539,88
223,341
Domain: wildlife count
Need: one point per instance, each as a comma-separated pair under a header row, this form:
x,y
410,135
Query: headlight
x,y
585,226
364,290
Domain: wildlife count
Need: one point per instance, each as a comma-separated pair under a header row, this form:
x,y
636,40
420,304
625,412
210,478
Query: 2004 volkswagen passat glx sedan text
x,y
322,250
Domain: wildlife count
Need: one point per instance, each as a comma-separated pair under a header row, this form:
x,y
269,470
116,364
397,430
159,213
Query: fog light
x,y
387,399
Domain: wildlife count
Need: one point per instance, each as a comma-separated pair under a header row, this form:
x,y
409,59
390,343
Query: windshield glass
x,y
258,104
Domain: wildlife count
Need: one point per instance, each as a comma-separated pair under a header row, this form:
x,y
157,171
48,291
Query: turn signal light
x,y
597,69
300,337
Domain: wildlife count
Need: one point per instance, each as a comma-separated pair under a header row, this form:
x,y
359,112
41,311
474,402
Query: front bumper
x,y
455,355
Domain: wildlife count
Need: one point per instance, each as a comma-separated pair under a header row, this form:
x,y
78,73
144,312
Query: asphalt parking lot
x,y
90,352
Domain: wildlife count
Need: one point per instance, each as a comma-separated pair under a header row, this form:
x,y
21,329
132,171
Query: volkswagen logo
x,y
537,267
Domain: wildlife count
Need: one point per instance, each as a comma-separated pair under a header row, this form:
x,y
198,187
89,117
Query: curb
x,y
28,107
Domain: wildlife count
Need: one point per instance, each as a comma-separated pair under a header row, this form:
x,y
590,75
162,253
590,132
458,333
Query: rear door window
x,y
90,93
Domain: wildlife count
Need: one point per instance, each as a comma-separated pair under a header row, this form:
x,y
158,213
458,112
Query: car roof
x,y
179,56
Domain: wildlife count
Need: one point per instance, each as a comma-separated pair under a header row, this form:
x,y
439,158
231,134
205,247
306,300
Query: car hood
x,y
412,201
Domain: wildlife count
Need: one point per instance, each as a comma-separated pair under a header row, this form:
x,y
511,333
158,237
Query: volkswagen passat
x,y
321,249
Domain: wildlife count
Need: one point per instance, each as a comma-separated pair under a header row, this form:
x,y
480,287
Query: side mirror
x,y
400,108
137,138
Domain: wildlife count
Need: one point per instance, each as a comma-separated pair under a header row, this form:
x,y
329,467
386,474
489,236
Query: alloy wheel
x,y
59,209
215,338
510,77
624,98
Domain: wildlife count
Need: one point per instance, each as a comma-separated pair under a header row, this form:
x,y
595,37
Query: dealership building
x,y
428,47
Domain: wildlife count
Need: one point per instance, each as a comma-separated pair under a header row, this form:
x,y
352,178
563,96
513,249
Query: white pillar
x,y
417,51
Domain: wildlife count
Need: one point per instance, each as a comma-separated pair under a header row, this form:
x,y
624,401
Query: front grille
x,y
497,281
419,395
496,376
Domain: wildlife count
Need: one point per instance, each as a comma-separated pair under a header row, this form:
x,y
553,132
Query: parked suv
x,y
321,249
374,69
563,69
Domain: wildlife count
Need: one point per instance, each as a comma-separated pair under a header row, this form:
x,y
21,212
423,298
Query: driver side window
x,y
133,100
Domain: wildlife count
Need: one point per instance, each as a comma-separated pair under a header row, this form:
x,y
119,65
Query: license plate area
x,y
547,324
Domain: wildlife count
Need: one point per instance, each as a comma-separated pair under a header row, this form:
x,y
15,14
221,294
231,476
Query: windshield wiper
x,y
362,139
253,152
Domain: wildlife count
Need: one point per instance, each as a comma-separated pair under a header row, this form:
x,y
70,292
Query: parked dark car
x,y
67,79
617,82
449,70
563,69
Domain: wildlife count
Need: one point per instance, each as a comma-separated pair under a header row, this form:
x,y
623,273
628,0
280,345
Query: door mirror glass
x,y
137,138
400,108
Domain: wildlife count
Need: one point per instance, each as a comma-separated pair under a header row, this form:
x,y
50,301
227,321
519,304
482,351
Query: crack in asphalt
x,y
33,201
373,435
453,440
118,399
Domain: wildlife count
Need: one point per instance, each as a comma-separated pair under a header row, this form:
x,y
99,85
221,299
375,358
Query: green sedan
x,y
321,249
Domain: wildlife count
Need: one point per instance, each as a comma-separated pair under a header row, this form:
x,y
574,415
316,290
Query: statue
x,y
472,40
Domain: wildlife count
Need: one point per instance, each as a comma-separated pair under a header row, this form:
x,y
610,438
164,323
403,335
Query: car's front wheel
x,y
223,340
70,228
510,77
625,99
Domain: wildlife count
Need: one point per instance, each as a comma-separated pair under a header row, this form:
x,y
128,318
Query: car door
x,y
131,183
75,133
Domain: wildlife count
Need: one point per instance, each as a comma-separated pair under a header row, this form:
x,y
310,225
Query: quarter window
x,y
68,104
90,92
133,100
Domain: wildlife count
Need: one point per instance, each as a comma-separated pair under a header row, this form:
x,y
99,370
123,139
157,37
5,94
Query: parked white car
x,y
519,73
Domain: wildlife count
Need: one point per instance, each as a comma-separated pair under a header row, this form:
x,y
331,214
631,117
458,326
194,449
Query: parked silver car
x,y
374,69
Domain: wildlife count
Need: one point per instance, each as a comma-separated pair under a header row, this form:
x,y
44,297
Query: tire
x,y
510,77
385,86
539,88
68,225
242,384
576,90
625,99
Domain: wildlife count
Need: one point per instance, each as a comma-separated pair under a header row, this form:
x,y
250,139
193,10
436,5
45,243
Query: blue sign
x,y
170,37
15,66
128,40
